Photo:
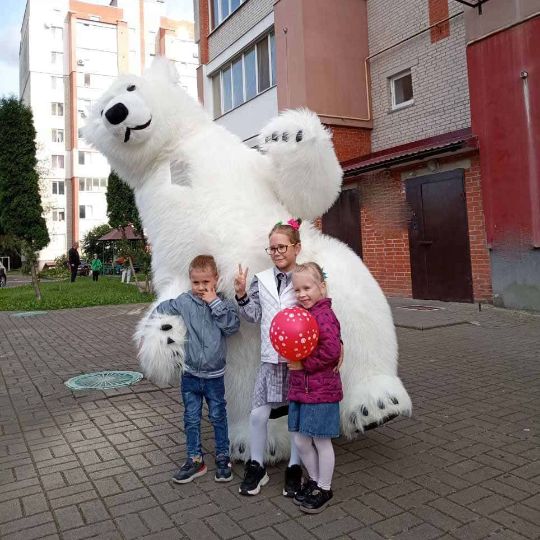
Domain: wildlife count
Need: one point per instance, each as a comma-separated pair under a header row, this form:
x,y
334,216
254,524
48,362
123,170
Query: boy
x,y
208,319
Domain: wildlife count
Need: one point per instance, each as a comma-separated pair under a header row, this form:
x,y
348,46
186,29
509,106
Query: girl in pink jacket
x,y
315,392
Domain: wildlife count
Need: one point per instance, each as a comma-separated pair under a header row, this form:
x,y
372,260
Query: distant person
x,y
3,275
126,269
96,265
74,260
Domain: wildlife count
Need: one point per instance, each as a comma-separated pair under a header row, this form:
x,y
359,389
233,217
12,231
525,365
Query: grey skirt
x,y
271,385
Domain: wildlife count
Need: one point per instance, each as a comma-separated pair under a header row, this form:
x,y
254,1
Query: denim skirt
x,y
314,419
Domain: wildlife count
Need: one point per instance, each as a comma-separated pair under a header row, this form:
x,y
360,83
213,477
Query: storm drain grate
x,y
104,380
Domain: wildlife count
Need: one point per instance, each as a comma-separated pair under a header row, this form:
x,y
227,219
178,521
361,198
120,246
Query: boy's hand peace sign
x,y
240,281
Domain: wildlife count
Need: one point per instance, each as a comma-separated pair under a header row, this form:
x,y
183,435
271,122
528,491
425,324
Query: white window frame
x,y
219,19
55,132
56,185
59,214
392,81
229,64
55,108
59,158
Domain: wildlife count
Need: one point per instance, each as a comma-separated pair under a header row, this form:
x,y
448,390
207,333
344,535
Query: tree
x,y
90,243
121,208
122,211
21,212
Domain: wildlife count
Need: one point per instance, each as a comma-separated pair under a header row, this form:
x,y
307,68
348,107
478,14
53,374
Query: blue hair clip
x,y
324,274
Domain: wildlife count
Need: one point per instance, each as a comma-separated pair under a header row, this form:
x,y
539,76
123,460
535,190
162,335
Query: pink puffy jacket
x,y
317,382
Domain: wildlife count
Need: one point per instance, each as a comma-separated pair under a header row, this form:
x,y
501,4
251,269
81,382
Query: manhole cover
x,y
103,380
30,313
421,308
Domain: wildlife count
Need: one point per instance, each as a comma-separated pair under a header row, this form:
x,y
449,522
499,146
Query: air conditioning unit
x,y
80,62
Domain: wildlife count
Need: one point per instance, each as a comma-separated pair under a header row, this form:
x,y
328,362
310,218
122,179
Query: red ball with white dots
x,y
294,333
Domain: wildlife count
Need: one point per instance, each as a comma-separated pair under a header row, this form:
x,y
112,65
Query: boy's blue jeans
x,y
213,390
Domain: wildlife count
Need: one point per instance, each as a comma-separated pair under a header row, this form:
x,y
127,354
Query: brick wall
x,y
438,11
385,238
480,260
439,72
350,142
240,22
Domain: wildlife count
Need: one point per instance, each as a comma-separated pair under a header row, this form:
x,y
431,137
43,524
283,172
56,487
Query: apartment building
x,y
427,164
69,54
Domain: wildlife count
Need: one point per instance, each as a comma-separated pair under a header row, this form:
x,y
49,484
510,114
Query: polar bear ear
x,y
162,69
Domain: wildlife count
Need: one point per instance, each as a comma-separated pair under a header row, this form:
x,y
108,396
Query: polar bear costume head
x,y
130,125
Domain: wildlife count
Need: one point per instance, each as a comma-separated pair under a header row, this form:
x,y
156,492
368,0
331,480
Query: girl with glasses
x,y
270,291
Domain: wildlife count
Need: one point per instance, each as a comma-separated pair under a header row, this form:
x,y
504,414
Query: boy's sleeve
x,y
225,314
174,306
328,347
250,305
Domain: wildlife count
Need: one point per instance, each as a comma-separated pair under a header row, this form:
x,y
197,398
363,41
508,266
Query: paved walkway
x,y
98,464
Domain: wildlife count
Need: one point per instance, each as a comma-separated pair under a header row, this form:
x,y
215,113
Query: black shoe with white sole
x,y
254,478
191,469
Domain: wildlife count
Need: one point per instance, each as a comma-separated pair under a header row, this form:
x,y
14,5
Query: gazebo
x,y
117,235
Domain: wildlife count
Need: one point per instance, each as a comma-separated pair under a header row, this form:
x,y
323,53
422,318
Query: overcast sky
x,y
10,28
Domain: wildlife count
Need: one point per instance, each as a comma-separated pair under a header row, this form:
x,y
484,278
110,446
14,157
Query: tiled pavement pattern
x,y
97,465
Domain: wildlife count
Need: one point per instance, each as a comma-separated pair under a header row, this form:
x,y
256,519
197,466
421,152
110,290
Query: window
x,y
85,211
87,80
57,33
93,184
57,135
401,90
58,187
82,158
57,109
57,58
249,74
59,214
221,9
56,82
57,161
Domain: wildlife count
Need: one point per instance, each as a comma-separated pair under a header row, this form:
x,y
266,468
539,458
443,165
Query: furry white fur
x,y
223,198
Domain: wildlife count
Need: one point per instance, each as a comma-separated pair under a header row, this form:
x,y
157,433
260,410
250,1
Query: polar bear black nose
x,y
117,113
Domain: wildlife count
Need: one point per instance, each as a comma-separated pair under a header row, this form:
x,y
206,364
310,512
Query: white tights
x,y
317,455
258,434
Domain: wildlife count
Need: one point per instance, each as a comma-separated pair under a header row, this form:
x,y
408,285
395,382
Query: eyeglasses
x,y
281,249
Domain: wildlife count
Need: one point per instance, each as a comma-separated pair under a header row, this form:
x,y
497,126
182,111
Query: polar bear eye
x,y
131,87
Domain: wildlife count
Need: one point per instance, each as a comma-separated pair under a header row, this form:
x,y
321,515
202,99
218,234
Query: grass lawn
x,y
63,294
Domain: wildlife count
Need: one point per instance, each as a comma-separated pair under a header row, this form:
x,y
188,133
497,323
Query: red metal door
x,y
342,221
439,238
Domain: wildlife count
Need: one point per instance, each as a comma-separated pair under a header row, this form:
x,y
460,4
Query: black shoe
x,y
317,501
190,469
293,480
223,469
254,478
304,492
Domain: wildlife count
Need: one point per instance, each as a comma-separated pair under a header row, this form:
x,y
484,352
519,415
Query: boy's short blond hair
x,y
202,262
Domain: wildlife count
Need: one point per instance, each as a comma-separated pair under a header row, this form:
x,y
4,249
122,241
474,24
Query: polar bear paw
x,y
161,341
278,444
307,177
378,400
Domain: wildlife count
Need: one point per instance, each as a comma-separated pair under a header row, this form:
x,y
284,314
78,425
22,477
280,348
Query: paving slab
x,y
97,464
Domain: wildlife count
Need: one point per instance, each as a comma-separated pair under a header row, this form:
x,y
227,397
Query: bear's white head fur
x,y
138,121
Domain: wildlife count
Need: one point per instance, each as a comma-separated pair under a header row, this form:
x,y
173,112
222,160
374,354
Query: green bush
x,y
60,269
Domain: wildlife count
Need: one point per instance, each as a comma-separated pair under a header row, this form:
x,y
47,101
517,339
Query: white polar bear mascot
x,y
199,189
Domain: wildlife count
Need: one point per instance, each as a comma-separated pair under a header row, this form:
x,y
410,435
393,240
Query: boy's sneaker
x,y
223,469
254,478
293,480
304,492
317,501
191,469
